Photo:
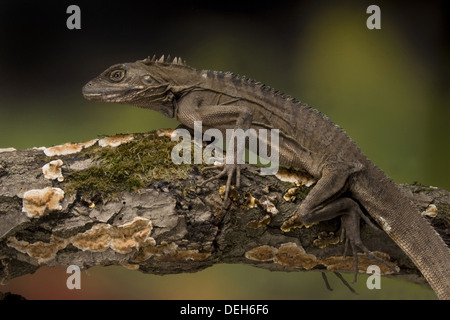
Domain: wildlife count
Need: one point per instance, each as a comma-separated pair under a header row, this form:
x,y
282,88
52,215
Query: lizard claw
x,y
327,284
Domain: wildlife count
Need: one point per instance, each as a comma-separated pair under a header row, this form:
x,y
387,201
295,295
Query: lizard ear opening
x,y
147,79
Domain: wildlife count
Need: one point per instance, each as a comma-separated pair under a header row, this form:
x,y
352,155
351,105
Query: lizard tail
x,y
398,217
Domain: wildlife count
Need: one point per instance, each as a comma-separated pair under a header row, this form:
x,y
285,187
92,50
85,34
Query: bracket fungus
x,y
430,211
287,254
293,255
52,170
115,141
7,149
40,202
68,148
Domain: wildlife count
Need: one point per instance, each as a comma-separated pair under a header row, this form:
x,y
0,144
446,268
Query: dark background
x,y
388,88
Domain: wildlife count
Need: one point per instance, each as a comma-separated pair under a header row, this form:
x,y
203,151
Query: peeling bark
x,y
175,225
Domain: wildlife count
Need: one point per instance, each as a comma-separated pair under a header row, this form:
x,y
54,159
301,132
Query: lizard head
x,y
138,83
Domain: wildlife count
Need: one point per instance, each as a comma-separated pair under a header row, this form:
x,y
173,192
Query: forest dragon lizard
x,y
347,182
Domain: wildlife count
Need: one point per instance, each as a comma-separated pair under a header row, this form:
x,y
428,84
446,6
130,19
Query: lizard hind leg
x,y
350,213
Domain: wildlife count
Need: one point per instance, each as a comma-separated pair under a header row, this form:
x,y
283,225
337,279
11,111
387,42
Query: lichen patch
x,y
115,141
68,148
52,170
39,202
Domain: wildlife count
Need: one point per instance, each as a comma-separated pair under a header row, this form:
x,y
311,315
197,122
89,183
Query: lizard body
x,y
346,179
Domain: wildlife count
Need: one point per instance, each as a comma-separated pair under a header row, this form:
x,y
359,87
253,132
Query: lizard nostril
x,y
88,88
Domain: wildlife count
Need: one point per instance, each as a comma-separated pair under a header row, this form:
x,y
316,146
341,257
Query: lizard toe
x,y
228,170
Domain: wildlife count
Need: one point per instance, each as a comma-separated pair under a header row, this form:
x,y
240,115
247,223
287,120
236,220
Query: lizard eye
x,y
117,75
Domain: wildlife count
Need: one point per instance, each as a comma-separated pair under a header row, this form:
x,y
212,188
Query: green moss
x,y
131,166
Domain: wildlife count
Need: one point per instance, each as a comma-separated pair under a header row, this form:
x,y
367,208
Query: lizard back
x,y
308,139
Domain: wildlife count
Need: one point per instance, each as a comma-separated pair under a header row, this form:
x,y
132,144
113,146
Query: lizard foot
x,y
228,170
350,227
350,214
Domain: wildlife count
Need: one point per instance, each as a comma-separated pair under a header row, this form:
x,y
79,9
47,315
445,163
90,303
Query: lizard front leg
x,y
221,117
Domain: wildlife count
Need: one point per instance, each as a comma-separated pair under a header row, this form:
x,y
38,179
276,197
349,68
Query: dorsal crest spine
x,y
177,60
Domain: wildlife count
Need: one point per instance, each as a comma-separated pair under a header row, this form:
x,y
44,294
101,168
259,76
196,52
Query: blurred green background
x,y
388,88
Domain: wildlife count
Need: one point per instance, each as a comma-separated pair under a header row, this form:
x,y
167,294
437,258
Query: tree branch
x,y
130,205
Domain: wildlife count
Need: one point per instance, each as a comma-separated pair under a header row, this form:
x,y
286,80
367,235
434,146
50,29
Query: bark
x,y
174,225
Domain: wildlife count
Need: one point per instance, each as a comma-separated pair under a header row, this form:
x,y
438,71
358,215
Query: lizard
x,y
348,183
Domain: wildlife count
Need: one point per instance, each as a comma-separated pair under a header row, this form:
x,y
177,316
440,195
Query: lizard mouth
x,y
101,96
91,93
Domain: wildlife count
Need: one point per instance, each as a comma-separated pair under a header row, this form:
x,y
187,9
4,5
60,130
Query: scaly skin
x,y
308,140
